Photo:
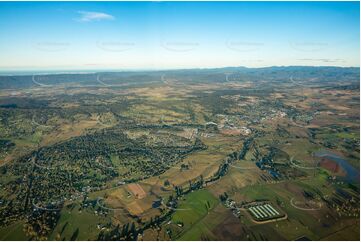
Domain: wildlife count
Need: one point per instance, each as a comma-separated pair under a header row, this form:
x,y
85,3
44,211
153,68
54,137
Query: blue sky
x,y
163,35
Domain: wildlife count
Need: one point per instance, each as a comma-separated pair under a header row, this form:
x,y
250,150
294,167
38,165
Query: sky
x,y
171,35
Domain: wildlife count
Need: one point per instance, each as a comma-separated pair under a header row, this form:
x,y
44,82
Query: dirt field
x,y
137,190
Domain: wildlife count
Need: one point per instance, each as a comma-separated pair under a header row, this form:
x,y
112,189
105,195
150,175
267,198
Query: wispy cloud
x,y
326,60
86,16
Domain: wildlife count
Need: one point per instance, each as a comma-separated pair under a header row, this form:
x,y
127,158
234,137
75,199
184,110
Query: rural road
x,y
301,167
38,83
305,209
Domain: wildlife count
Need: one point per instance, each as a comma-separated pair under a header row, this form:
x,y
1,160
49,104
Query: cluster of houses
x,y
229,203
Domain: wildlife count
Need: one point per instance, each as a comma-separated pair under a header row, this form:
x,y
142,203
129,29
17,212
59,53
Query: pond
x,y
353,174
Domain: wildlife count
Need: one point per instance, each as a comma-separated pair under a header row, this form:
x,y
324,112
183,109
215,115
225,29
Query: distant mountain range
x,y
329,74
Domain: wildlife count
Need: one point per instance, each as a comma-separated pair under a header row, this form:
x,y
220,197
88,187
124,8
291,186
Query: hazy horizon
x,y
87,71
